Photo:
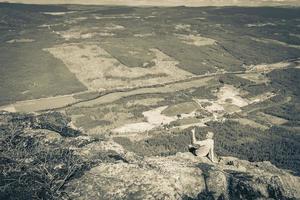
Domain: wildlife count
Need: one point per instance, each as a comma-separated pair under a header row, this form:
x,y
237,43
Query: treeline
x,y
278,145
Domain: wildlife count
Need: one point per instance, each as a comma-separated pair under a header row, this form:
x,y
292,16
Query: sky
x,y
165,2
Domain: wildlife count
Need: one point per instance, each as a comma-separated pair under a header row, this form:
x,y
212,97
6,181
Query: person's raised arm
x,y
195,141
193,137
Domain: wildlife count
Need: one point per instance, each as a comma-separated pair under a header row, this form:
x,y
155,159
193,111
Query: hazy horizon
x,y
165,3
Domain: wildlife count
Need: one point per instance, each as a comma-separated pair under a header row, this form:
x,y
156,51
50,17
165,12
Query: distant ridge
x,y
190,3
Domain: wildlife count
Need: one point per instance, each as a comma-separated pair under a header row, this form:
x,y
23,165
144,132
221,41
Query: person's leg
x,y
192,149
211,154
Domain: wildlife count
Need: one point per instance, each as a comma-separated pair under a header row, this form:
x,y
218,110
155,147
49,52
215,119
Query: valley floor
x,y
99,101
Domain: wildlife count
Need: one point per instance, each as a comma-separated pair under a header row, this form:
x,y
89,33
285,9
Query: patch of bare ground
x,y
22,40
277,42
58,13
196,40
267,67
260,24
228,100
78,32
261,97
251,123
144,35
255,77
183,27
121,16
154,118
271,119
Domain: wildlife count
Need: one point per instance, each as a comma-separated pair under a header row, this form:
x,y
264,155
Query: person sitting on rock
x,y
203,148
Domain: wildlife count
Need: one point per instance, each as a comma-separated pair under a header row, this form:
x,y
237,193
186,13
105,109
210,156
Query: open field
x,y
133,42
33,74
98,70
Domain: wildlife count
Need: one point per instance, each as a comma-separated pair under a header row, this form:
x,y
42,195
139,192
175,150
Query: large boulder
x,y
184,176
153,178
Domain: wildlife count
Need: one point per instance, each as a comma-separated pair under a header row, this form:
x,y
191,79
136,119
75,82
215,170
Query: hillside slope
x,y
50,160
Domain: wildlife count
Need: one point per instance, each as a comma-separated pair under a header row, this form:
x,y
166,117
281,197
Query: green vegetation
x,y
278,145
130,51
86,95
287,81
37,156
33,74
87,123
163,144
29,72
203,92
289,111
178,109
234,80
31,168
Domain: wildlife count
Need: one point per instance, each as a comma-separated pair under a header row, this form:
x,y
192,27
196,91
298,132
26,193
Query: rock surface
x,y
181,176
106,170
